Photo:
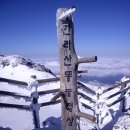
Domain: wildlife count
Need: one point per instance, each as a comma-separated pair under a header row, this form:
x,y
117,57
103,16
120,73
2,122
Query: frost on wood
x,y
67,13
32,83
68,71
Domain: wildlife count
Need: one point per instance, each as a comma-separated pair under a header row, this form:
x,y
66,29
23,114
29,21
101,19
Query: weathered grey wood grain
x,y
68,72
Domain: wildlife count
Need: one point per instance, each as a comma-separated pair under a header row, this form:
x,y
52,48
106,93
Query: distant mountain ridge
x,y
16,60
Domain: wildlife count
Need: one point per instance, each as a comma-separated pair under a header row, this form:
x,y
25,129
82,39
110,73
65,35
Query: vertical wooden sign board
x,y
68,71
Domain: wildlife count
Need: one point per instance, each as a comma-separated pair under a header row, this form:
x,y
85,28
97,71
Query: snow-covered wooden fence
x,y
100,104
34,105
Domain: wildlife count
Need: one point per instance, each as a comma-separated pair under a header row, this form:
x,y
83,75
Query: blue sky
x,y
28,27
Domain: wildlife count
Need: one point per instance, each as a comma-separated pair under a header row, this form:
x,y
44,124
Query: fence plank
x,y
12,94
115,94
87,106
116,86
48,92
48,80
86,97
111,104
6,105
13,81
25,83
85,87
50,103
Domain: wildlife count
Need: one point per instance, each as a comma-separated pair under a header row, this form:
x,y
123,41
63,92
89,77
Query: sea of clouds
x,y
107,70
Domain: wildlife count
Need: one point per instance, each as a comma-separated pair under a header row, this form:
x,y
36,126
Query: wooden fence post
x,y
68,71
35,109
124,100
123,94
34,105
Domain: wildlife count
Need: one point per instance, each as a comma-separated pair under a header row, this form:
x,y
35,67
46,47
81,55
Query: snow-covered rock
x,y
21,69
15,61
17,67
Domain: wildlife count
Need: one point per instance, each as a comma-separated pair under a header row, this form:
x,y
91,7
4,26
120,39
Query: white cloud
x,y
107,67
103,67
53,65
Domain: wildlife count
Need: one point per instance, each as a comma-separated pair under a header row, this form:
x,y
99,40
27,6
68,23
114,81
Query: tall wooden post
x,y
68,70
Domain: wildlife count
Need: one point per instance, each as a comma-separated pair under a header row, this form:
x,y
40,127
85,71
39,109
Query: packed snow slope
x,y
17,67
21,69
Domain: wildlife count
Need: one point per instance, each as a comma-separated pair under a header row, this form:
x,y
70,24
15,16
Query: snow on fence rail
x,y
34,106
35,95
25,83
100,102
116,86
82,85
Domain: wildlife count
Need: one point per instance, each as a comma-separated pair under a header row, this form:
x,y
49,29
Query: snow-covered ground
x,y
14,67
18,68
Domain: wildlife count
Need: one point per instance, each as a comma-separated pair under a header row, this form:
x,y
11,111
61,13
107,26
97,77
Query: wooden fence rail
x,y
117,93
13,94
33,97
87,106
48,91
25,107
111,104
16,82
124,88
81,85
13,81
52,102
86,97
116,86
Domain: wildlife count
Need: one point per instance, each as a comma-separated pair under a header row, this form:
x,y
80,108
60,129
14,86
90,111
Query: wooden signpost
x,y
68,71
